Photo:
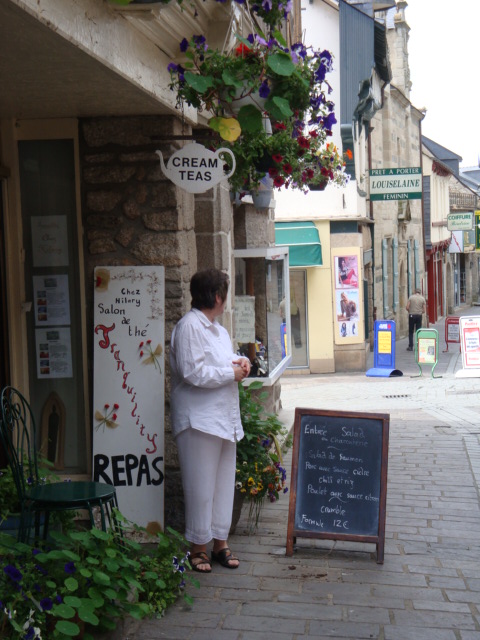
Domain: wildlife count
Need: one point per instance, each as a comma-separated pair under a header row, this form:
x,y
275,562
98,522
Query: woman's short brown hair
x,y
206,285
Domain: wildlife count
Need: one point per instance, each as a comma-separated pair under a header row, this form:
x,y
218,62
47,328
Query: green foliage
x,y
92,578
260,474
277,99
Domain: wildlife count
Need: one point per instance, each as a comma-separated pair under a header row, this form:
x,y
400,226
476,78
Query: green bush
x,y
93,578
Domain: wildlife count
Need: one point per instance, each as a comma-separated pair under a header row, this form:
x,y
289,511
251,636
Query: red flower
x,y
277,157
349,154
140,345
310,173
141,354
114,417
280,126
272,172
148,341
303,142
324,171
242,50
107,406
313,134
116,406
288,168
278,181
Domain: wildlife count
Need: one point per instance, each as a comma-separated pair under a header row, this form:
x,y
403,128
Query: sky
x,y
444,70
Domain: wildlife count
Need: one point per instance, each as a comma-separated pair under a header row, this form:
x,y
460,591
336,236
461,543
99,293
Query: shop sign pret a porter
x,y
396,184
460,221
195,168
128,389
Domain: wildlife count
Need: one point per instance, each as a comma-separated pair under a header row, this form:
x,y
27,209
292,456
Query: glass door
x,y
53,289
298,318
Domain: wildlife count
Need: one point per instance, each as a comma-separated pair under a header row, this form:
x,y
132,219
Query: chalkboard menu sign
x,y
339,477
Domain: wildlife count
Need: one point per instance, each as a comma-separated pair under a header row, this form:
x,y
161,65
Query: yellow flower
x,y
260,486
251,481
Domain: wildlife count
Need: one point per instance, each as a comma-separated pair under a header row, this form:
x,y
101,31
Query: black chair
x,y
18,434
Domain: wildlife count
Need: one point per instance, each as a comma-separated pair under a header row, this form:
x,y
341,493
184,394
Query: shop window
x,y
262,311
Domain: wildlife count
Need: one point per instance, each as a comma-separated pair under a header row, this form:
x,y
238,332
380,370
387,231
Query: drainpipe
x,y
423,220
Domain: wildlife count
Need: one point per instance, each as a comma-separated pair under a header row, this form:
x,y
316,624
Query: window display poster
x,y
128,389
49,241
54,353
346,272
244,314
51,299
470,332
347,309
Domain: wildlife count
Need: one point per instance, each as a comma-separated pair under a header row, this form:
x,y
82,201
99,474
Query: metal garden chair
x,y
18,434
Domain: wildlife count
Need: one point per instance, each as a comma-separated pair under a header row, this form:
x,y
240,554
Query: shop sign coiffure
x,y
195,168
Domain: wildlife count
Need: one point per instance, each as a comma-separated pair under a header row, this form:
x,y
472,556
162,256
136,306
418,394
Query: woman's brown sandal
x,y
203,560
225,558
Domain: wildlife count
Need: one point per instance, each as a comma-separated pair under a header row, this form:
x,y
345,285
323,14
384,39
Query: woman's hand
x,y
241,368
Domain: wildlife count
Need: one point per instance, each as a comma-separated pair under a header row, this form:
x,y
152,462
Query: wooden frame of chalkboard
x,y
338,488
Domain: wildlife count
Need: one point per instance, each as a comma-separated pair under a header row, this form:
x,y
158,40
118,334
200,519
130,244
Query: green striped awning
x,y
303,242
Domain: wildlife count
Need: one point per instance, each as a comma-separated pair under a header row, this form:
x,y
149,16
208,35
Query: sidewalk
x,y
429,585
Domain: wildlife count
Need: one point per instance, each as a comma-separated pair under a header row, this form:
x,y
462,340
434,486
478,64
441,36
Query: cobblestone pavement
x,y
429,585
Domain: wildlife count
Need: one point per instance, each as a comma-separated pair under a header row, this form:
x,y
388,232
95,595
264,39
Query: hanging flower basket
x,y
286,84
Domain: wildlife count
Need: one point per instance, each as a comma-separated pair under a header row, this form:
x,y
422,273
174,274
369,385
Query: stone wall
x,y
133,215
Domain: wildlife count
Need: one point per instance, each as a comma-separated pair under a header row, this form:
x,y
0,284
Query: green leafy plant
x,y
269,106
9,502
88,579
260,475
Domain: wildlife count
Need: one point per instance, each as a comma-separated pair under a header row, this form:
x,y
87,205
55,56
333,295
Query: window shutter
x,y
395,272
385,276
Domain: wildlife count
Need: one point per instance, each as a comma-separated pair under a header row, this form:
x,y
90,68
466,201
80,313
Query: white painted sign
x,y
244,314
456,242
128,393
460,221
396,184
195,168
470,341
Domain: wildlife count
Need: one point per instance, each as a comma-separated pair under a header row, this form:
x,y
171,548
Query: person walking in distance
x,y
416,306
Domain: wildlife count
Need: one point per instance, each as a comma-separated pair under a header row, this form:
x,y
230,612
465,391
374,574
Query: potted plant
x,y
260,474
269,105
88,580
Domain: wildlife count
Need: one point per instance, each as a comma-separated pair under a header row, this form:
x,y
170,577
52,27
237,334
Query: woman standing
x,y
205,415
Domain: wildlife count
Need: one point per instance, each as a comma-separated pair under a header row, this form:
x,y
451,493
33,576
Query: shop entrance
x,y
54,299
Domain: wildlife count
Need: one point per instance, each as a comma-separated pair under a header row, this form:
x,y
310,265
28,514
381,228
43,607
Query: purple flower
x,y
200,42
329,121
184,45
267,5
13,573
264,89
46,604
172,67
30,634
70,567
58,599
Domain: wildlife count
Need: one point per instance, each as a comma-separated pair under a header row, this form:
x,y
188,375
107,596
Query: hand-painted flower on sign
x,y
108,418
153,355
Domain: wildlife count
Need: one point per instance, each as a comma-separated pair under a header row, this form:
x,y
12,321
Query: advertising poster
x,y
346,272
51,300
128,394
426,351
54,353
470,332
347,306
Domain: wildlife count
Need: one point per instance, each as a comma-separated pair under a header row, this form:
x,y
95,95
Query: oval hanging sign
x,y
195,168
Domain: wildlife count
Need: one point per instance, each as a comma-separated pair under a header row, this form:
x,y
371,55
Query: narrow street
x,y
428,587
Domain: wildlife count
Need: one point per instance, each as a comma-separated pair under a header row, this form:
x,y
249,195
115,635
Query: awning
x,y
303,242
